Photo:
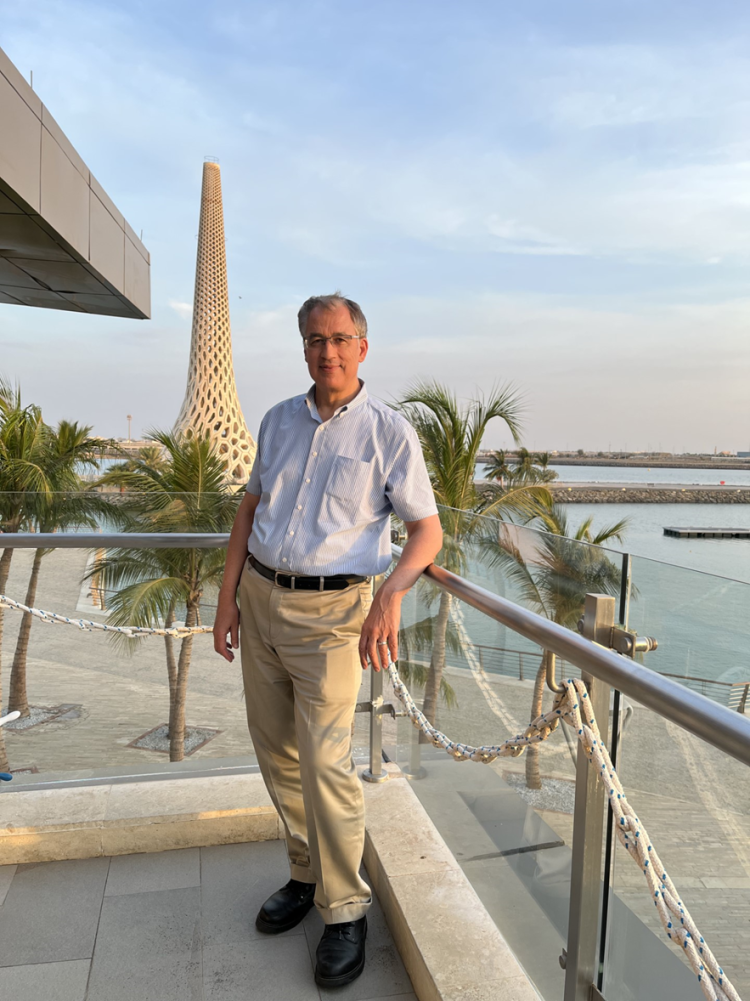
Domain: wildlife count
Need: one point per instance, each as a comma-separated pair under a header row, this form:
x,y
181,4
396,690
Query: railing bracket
x,y
598,621
379,708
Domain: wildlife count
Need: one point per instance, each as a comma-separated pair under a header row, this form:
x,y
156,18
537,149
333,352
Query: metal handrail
x,y
716,724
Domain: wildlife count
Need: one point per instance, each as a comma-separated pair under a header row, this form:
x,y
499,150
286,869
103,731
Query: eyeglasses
x,y
315,342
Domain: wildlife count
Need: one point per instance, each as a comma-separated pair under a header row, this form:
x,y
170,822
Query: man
x,y
331,467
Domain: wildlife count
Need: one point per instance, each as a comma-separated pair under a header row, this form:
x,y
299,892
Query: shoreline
x,y
643,493
714,463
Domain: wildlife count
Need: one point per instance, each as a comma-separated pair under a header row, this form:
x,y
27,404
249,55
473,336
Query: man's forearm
x,y
237,549
422,546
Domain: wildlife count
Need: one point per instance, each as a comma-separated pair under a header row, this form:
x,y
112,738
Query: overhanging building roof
x,y
63,242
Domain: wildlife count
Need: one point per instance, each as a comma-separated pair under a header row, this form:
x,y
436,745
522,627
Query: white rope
x,y
573,706
133,632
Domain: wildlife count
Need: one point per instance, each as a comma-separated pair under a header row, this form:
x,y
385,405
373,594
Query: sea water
x,y
692,595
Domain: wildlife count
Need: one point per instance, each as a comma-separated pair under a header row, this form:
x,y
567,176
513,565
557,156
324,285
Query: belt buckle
x,y
292,578
321,583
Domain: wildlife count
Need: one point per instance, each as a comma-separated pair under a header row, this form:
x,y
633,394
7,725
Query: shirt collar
x,y
360,398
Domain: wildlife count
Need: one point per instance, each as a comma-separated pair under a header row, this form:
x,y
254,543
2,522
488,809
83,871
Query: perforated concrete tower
x,y
211,403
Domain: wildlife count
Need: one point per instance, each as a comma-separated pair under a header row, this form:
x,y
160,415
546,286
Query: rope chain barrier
x,y
573,706
133,632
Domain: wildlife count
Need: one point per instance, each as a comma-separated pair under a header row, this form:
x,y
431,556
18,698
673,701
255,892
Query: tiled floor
x,y
173,926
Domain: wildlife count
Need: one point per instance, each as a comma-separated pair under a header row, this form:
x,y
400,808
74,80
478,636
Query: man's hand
x,y
380,630
227,621
227,626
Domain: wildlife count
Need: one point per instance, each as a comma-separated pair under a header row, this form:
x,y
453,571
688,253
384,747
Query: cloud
x,y
481,163
183,309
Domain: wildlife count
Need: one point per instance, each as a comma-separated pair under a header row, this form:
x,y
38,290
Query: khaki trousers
x,y
302,675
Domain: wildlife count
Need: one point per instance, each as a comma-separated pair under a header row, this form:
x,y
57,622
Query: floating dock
x,y
708,533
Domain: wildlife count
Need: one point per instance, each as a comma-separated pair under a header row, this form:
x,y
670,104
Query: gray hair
x,y
332,302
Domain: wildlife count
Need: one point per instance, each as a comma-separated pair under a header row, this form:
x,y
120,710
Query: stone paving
x,y
171,926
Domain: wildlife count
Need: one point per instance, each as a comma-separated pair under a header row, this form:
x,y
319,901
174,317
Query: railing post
x,y
375,772
743,699
582,960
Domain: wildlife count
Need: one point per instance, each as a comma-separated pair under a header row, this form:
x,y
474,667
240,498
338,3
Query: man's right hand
x,y
227,628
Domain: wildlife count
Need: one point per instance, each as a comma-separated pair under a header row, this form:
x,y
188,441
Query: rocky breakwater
x,y
648,493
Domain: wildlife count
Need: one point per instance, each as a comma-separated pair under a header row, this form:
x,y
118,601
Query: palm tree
x,y
24,441
528,468
497,467
553,575
188,493
151,456
451,436
69,448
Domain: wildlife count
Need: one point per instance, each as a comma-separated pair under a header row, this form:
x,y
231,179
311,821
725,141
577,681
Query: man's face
x,y
334,368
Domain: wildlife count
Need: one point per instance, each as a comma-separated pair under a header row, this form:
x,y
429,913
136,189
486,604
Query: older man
x,y
331,467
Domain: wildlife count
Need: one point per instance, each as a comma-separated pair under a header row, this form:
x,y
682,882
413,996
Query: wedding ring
x,y
383,643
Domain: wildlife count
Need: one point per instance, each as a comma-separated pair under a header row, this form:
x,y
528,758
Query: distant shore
x,y
645,493
719,463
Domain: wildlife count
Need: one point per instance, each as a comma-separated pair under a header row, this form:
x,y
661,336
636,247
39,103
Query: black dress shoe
x,y
341,953
285,908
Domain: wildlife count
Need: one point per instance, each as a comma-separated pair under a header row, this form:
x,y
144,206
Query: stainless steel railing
x,y
729,731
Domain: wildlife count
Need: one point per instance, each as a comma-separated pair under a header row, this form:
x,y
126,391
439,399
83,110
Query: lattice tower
x,y
211,403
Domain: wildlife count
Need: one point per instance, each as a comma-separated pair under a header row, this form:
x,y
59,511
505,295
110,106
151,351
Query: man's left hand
x,y
380,631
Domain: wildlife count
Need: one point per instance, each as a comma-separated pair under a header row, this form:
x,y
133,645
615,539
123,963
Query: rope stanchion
x,y
573,706
133,632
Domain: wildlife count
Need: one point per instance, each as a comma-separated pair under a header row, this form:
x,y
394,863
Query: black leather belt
x,y
301,582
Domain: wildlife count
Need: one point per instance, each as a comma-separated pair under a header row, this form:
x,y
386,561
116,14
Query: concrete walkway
x,y
171,926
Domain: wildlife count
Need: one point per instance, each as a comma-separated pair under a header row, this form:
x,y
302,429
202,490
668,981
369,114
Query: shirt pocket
x,y
349,481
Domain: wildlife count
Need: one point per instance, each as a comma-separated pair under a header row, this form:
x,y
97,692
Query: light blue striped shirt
x,y
327,489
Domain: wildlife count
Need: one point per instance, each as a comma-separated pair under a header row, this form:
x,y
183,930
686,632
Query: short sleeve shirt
x,y
327,489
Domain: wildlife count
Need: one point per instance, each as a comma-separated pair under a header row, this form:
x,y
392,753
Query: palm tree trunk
x,y
177,703
18,699
533,775
4,574
171,660
437,662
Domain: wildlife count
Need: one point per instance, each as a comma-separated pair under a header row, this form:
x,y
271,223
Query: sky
x,y
552,196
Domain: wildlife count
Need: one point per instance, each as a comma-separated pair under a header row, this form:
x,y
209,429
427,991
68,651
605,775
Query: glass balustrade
x,y
510,823
702,624
695,804
100,704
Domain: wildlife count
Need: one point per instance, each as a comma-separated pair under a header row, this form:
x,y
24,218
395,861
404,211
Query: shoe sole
x,y
346,978
343,980
273,929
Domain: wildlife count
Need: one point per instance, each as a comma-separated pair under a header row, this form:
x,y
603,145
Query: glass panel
x,y
702,625
508,823
695,804
97,700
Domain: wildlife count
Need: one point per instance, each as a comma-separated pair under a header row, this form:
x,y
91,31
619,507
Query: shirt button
x,y
299,507
283,559
291,533
307,480
314,454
